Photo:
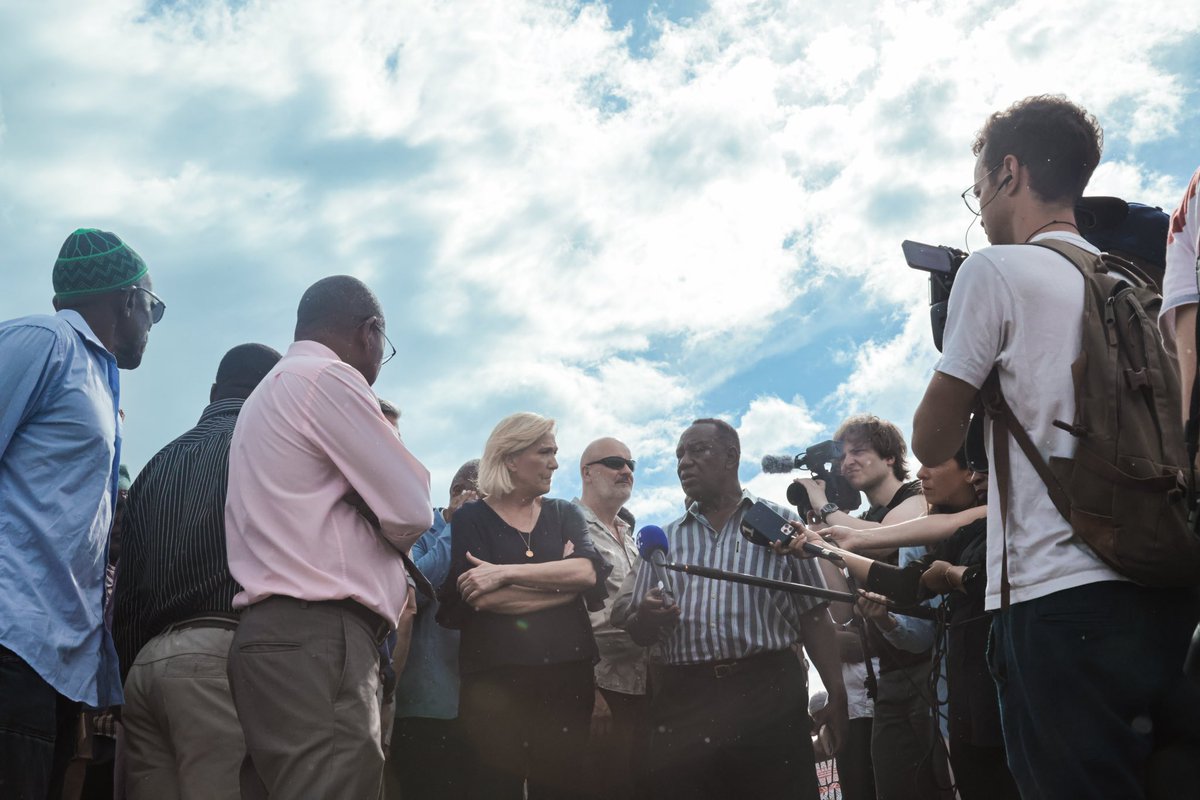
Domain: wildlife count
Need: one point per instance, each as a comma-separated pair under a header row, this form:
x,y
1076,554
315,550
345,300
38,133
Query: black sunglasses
x,y
613,462
157,306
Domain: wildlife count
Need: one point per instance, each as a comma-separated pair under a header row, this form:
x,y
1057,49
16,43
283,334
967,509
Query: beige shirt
x,y
622,666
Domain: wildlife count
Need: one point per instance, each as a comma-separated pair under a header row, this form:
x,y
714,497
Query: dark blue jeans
x,y
36,726
1089,678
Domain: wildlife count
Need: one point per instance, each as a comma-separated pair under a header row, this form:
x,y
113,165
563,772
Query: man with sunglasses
x,y
1081,656
60,447
619,723
324,502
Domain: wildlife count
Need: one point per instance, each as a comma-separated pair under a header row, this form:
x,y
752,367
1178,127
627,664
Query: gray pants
x,y
908,764
182,737
305,680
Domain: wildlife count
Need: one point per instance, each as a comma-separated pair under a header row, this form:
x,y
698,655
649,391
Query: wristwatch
x,y
826,510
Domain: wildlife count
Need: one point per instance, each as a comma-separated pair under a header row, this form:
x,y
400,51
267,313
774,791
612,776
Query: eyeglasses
x,y
391,346
971,200
613,462
157,306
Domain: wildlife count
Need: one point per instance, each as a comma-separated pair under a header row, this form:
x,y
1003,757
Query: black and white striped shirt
x,y
722,620
173,563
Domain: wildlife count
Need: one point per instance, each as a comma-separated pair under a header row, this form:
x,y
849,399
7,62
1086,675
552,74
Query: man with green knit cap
x,y
60,447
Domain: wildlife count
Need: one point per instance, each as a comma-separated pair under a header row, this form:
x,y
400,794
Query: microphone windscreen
x,y
649,539
778,464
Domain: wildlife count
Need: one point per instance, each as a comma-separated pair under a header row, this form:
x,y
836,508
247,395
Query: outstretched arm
x,y
910,533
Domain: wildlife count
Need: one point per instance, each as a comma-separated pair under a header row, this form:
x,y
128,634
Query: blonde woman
x,y
522,567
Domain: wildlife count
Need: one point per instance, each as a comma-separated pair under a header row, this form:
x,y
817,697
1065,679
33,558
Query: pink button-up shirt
x,y
310,433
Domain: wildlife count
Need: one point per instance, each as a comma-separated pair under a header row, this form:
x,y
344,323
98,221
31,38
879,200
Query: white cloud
x,y
889,376
552,221
774,426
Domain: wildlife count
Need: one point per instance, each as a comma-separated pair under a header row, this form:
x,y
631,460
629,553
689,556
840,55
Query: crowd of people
x,y
276,608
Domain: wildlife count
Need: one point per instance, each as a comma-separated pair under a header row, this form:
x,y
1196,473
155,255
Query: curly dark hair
x,y
883,437
1057,140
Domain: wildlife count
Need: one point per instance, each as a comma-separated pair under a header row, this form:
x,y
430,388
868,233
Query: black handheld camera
x,y
942,263
822,461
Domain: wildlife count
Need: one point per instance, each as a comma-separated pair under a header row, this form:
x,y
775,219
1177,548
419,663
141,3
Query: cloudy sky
x,y
622,215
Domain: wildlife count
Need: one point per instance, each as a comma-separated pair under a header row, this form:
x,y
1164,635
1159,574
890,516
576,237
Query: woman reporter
x,y
955,565
522,567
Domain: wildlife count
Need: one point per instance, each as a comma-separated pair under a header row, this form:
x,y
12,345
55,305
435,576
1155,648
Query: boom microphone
x,y
652,547
777,465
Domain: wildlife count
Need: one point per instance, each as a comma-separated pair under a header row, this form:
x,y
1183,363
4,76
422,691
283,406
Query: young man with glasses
x,y
1081,656
619,722
60,447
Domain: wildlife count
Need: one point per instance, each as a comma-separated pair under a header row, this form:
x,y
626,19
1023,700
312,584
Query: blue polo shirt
x,y
60,447
428,686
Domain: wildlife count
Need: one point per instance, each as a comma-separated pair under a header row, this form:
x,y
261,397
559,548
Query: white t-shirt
x,y
1019,307
1179,282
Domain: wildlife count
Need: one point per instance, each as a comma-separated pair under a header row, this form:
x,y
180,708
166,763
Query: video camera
x,y
821,460
942,263
1136,232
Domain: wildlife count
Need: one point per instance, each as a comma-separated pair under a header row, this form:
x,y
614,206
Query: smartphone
x,y
763,525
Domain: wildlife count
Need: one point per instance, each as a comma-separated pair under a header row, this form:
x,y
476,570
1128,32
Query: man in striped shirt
x,y
174,618
729,700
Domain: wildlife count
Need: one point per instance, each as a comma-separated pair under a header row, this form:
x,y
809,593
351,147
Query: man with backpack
x,y
1087,642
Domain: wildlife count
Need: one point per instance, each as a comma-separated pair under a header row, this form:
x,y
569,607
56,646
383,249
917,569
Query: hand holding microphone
x,y
659,603
806,543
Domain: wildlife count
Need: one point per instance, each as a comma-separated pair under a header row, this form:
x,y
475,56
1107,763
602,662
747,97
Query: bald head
x,y
607,476
602,448
337,304
343,314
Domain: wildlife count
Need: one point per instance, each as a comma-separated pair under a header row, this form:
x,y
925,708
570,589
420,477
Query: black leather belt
x,y
227,622
377,625
734,666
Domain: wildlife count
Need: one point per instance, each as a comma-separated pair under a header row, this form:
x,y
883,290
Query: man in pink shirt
x,y
323,501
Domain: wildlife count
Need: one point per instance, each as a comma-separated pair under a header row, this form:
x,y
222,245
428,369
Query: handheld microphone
x,y
777,465
652,547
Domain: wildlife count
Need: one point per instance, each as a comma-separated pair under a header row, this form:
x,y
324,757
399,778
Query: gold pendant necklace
x,y
527,538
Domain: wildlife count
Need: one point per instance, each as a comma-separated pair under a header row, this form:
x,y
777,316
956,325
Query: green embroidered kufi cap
x,y
93,261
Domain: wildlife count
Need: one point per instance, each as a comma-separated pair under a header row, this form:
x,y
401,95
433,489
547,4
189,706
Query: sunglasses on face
x,y
157,306
613,462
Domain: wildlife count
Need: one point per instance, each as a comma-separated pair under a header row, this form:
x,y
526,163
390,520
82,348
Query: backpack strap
x,y
1003,424
1087,263
1191,429
1002,416
991,388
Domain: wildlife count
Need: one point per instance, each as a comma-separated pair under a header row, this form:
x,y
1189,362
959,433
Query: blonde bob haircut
x,y
511,435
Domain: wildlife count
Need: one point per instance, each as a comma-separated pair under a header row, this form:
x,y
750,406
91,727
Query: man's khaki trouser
x,y
182,737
